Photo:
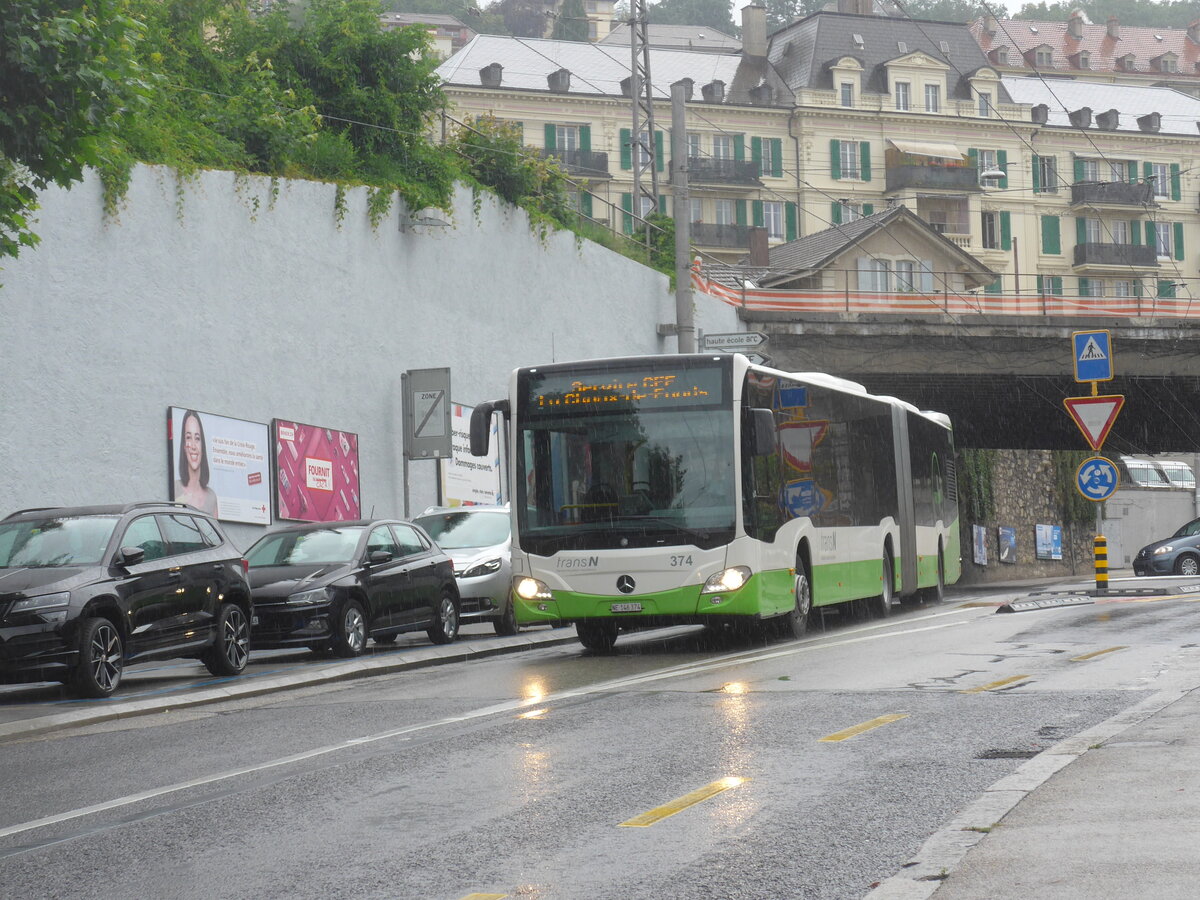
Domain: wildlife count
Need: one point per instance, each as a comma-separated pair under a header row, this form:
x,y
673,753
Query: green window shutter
x,y
864,152
1080,230
1056,285
551,137
659,156
1176,191
739,212
777,158
1150,237
756,208
789,221
1132,167
1041,286
835,213
626,150
1178,229
1166,289
585,138
627,205
662,203
1037,174
1085,288
973,159
585,204
1135,232
1078,169
868,209
1137,287
756,155
1051,238
1147,171
835,160
993,288
1005,231
739,148
1002,160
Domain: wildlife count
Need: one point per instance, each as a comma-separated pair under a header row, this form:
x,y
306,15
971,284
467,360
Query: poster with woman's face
x,y
219,465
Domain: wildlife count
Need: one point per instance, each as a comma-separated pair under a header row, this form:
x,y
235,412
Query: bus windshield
x,y
630,471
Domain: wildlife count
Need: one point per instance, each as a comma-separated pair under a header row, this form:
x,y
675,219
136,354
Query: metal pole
x,y
1101,545
684,318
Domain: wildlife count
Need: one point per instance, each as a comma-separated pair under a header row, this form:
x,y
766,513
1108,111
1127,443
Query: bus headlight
x,y
730,579
531,589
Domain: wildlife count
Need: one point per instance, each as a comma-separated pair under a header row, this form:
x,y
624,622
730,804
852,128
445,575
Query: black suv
x,y
85,590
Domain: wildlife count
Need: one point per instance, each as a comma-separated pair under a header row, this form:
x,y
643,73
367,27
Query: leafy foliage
x,y
704,13
1076,509
571,22
469,12
1146,13
976,484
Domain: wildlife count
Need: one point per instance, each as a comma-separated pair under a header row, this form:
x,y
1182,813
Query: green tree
x,y
571,22
470,12
701,13
781,12
1144,13
68,74
944,10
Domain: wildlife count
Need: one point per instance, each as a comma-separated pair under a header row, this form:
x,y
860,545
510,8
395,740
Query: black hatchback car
x,y
86,590
331,585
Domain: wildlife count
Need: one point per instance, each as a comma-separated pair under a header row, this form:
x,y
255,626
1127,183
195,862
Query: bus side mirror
x,y
481,425
759,426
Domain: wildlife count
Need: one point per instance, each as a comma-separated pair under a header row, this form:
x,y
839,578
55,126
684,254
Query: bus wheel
x,y
937,593
597,635
883,603
795,623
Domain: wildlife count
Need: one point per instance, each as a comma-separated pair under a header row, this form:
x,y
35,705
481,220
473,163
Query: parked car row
x,y
85,591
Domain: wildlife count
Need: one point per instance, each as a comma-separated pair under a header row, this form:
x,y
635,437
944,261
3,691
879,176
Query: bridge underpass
x,y
1002,380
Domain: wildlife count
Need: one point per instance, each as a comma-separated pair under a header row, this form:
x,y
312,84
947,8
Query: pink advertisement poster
x,y
316,476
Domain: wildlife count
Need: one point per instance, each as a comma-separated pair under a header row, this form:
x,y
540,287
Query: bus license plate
x,y
626,607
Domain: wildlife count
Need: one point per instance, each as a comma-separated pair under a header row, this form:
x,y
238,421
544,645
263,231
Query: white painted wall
x,y
214,294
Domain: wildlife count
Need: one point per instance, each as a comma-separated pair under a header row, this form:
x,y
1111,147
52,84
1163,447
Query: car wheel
x,y
231,649
506,625
386,638
445,626
349,630
597,635
795,623
101,659
1186,565
881,606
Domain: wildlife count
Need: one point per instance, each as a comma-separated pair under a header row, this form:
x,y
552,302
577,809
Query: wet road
x,y
682,766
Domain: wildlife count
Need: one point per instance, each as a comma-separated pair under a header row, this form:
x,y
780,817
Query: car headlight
x,y
484,568
730,579
531,589
42,603
1166,549
309,598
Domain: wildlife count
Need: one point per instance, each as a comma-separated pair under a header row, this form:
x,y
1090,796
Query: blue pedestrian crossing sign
x,y
1096,478
1093,355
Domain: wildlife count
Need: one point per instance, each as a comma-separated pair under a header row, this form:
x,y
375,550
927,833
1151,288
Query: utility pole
x,y
684,319
641,137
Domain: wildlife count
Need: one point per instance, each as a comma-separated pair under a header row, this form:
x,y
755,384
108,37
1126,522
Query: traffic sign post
x,y
1096,478
1095,415
734,341
1093,356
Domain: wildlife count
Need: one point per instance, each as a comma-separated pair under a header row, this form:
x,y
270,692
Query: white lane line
x,y
734,659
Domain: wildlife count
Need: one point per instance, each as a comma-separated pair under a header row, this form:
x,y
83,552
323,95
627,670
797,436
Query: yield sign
x,y
1095,415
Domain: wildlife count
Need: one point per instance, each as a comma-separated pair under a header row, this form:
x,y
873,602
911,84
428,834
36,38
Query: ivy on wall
x,y
976,488
1075,509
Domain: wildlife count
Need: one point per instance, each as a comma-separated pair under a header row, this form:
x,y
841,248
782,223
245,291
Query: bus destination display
x,y
682,388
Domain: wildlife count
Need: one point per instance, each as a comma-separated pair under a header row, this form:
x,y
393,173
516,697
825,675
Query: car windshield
x,y
460,530
57,541
312,547
1191,529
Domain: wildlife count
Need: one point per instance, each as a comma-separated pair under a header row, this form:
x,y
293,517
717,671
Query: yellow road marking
x,y
1096,653
646,819
995,684
865,726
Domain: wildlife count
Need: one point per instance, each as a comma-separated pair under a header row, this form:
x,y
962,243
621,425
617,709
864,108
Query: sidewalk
x,y
1113,812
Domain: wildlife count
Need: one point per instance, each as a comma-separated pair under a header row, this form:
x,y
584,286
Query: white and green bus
x,y
703,489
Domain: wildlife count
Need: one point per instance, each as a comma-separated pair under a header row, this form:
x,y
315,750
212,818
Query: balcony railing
x,y
1115,255
938,178
586,163
736,237
1111,193
702,170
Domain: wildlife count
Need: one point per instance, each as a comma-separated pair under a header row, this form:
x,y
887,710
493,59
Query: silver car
x,y
479,540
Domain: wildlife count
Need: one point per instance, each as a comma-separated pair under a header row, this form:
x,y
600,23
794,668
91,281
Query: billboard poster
x,y
1048,541
1006,538
219,465
979,544
316,473
467,479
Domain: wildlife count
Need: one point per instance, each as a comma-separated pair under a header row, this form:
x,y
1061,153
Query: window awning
x,y
927,148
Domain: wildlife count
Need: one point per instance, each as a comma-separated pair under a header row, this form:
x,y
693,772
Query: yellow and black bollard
x,y
1101,545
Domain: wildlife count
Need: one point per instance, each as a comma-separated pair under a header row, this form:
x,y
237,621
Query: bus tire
x,y
795,623
597,635
937,593
882,605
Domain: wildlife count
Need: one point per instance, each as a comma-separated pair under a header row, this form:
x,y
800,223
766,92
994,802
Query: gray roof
x,y
395,18
683,37
803,51
1180,112
597,69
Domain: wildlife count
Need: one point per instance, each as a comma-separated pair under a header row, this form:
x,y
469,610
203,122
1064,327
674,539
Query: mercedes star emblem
x,y
626,584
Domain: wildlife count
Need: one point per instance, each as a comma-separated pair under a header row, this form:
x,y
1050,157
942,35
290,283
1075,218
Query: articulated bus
x,y
703,489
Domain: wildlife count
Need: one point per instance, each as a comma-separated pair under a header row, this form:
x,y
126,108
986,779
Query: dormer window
x,y
847,94
1000,56
1043,56
1168,62
1127,63
1083,60
985,104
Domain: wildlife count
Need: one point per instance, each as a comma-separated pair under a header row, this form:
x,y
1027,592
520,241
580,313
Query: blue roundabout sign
x,y
1096,478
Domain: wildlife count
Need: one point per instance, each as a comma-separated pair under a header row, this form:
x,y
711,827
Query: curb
x,y
363,667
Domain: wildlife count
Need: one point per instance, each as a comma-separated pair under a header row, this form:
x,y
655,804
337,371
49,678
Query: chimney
x,y
626,86
490,76
1075,25
559,81
688,85
762,95
990,25
759,251
1040,114
754,30
1193,31
1114,28
1108,121
713,92
1151,122
856,7
1082,117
